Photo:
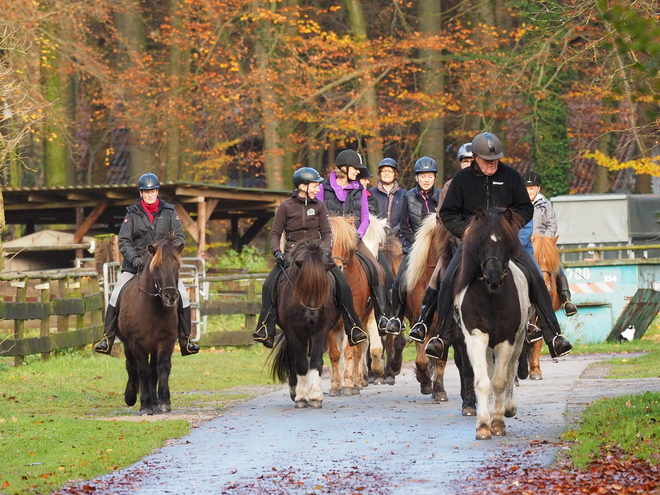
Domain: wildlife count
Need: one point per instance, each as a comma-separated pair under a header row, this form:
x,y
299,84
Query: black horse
x,y
492,306
306,311
148,327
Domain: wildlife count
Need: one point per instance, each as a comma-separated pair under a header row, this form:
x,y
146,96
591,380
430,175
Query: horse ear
x,y
508,215
554,239
298,263
179,247
479,213
151,248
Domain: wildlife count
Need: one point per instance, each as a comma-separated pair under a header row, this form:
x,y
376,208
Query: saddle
x,y
369,269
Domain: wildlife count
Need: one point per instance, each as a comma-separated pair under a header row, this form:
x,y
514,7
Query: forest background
x,y
243,92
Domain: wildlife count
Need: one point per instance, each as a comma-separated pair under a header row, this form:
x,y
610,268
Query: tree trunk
x,y
369,103
432,132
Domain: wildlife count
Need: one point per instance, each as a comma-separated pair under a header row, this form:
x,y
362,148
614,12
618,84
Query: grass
x,y
55,427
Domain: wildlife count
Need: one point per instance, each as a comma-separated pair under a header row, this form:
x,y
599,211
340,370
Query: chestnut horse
x,y
148,326
306,310
348,364
547,256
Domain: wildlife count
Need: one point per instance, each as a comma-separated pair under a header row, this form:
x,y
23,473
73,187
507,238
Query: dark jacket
x,y
137,232
389,204
472,190
416,208
299,220
350,204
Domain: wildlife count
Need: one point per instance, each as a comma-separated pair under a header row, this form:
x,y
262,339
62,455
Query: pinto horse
x,y
547,256
306,310
148,326
491,302
348,364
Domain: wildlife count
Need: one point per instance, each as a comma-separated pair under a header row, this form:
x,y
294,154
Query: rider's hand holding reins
x,y
138,262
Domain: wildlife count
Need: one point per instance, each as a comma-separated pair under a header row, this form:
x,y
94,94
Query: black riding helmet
x,y
364,173
148,181
531,178
388,162
487,146
305,175
348,158
426,164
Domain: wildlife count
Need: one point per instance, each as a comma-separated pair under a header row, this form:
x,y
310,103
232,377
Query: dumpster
x,y
611,295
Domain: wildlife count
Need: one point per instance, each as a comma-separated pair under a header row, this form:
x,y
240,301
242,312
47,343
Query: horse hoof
x,y
440,397
316,404
389,380
165,408
516,382
372,379
535,376
147,411
510,413
483,434
301,404
426,388
469,411
334,393
379,381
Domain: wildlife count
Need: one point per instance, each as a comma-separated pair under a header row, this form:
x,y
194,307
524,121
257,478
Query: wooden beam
x,y
253,230
42,198
81,196
255,195
189,224
201,225
210,206
90,220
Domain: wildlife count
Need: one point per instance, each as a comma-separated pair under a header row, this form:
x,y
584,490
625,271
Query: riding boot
x,y
352,327
558,345
109,331
395,325
186,343
266,331
438,346
565,295
429,305
533,334
379,294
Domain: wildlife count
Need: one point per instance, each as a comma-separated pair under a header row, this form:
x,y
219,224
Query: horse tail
x,y
422,249
280,359
375,235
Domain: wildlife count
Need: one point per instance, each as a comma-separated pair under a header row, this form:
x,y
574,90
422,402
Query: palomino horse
x,y
492,310
547,256
348,364
148,327
306,310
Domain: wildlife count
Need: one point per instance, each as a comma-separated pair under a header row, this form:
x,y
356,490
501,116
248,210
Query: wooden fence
x,y
44,297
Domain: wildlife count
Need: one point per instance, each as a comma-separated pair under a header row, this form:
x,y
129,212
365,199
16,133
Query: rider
x,y
364,177
147,221
299,218
545,223
485,184
344,195
430,299
420,202
389,193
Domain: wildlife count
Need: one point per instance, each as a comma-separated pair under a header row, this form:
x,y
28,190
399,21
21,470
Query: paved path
x,y
388,440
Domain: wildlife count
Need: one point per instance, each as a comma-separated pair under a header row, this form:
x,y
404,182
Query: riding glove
x,y
279,258
137,262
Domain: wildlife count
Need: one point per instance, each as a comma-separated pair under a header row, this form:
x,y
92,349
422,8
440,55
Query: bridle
x,y
483,267
159,289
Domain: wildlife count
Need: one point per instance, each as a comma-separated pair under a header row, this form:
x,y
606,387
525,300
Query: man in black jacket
x,y
485,184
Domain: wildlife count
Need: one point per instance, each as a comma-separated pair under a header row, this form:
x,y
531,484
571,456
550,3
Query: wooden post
x,y
250,296
19,325
63,320
107,250
44,287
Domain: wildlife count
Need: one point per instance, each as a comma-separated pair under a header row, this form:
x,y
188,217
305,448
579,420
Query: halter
x,y
159,289
344,261
483,267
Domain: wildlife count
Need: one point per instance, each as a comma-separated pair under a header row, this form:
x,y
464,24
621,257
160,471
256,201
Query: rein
x,y
159,289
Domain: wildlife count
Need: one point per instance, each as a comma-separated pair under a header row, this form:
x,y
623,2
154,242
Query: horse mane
x,y
344,234
308,273
392,250
501,222
165,248
376,234
546,253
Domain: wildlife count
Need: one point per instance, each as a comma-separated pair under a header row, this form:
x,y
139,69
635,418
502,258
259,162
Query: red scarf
x,y
150,209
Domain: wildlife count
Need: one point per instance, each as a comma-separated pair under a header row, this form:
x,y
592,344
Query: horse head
x,y
163,271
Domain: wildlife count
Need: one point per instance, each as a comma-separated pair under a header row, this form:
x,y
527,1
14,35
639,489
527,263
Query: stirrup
x,y
383,321
569,308
103,346
356,335
261,334
394,326
435,348
418,332
188,347
533,334
560,346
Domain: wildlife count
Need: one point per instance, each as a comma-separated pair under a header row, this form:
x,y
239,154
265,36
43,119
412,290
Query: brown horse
x,y
547,256
148,327
348,364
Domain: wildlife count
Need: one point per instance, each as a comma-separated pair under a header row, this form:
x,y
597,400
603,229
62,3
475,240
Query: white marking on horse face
x,y
494,238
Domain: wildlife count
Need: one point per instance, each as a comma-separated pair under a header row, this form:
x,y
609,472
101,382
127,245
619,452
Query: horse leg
x,y
351,360
477,346
394,345
133,383
144,375
335,342
375,350
502,377
164,367
439,392
466,373
535,361
315,393
422,370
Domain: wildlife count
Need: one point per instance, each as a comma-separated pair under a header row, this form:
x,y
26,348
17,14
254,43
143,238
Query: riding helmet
x,y
348,157
364,173
531,178
465,151
305,175
388,162
426,164
487,146
148,181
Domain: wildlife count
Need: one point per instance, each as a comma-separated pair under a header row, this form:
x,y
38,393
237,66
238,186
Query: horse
x,y
348,364
306,311
492,307
547,256
148,326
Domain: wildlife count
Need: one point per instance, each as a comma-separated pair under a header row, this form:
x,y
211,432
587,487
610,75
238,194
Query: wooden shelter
x,y
103,208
